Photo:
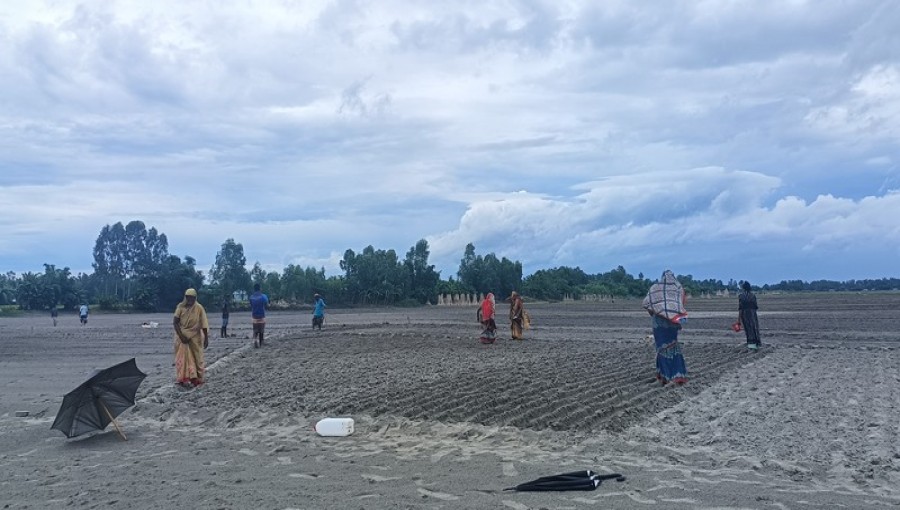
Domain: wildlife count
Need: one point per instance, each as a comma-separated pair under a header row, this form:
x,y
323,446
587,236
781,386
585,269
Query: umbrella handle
x,y
113,420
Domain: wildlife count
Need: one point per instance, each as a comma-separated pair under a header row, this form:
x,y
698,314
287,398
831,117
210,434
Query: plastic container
x,y
334,427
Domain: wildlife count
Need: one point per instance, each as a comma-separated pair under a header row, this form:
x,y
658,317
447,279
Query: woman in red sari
x,y
486,317
191,337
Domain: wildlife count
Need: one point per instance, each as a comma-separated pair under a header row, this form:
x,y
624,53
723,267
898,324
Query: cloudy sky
x,y
725,139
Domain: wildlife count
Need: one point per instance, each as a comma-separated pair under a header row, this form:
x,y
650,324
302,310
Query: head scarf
x,y
666,298
487,307
189,292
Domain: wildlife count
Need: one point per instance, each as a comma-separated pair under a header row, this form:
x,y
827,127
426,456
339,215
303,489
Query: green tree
x,y
374,276
54,287
258,275
125,254
272,284
489,274
8,284
109,258
229,273
175,277
556,283
423,279
146,250
28,291
469,269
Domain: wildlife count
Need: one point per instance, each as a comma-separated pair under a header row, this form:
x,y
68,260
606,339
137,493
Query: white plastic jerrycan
x,y
335,427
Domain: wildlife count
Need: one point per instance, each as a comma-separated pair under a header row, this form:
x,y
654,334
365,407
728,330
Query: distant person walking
x,y
258,303
318,312
191,337
225,313
747,308
54,313
83,313
518,317
665,303
487,318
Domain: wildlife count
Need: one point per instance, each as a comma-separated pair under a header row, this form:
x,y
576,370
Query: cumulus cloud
x,y
651,218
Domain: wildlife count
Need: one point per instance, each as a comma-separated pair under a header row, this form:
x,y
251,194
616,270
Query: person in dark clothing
x,y
224,332
747,308
318,312
258,303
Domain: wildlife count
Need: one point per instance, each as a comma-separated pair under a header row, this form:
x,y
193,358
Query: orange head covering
x,y
487,307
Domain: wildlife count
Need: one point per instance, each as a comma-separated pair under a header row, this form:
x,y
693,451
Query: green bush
x,y
111,304
10,311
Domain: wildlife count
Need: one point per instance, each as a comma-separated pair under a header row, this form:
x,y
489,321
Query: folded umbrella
x,y
96,402
585,480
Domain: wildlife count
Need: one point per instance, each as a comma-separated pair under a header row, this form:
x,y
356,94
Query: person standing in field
x,y
54,313
83,313
486,316
517,316
191,337
318,312
225,313
747,308
665,303
258,303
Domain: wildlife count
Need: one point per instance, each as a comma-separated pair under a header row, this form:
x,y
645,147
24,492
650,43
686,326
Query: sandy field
x,y
810,421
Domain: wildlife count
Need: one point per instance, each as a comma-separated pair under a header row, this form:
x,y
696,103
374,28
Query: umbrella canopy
x,y
97,401
585,480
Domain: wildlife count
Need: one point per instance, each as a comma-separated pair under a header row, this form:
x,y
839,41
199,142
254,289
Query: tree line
x,y
133,269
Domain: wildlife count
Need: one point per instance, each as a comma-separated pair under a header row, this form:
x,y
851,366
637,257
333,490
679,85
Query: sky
x,y
755,140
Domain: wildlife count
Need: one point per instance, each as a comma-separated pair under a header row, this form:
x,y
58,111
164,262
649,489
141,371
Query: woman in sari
x,y
191,337
516,316
486,315
747,316
665,303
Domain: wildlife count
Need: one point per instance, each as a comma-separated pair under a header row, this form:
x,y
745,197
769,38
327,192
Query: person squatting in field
x,y
318,317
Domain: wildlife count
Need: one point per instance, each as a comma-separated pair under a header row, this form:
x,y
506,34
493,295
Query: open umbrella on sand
x,y
97,401
585,480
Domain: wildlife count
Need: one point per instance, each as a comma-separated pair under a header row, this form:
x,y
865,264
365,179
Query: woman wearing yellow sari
x,y
191,337
517,316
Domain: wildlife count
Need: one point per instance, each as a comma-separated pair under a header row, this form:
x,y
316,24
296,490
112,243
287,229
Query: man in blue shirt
x,y
318,312
258,302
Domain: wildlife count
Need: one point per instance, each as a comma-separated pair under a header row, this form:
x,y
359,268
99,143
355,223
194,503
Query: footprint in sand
x,y
379,478
303,475
437,495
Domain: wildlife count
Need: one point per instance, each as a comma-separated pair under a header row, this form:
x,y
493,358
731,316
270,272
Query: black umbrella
x,y
97,401
585,480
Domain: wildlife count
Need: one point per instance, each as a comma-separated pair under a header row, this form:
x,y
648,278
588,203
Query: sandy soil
x,y
811,421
